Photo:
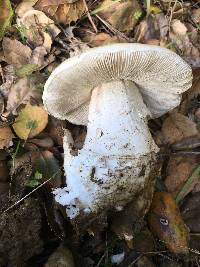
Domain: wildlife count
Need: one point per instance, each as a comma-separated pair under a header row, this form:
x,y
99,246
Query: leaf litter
x,y
42,35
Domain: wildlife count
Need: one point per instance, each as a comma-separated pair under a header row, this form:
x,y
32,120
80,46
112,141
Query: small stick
x,y
26,196
89,16
112,29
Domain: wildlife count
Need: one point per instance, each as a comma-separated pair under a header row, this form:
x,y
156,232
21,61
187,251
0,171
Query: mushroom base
x,y
111,184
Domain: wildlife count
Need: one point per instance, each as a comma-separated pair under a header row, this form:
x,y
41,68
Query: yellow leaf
x,y
31,121
6,136
154,9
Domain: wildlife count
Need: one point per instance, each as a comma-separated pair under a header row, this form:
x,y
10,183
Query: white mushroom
x,y
113,90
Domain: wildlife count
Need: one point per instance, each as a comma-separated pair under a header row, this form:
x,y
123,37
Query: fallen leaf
x,y
176,127
20,93
178,171
154,9
56,130
190,99
189,184
62,11
122,15
43,140
31,121
49,167
6,137
5,16
38,56
166,223
153,27
37,28
1,104
180,41
26,70
102,38
61,255
15,52
196,15
178,27
24,6
9,78
191,212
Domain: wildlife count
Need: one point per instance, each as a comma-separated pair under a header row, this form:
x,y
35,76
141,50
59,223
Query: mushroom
x,y
113,90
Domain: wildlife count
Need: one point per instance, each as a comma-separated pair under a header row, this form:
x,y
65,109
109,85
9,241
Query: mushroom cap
x,y
160,74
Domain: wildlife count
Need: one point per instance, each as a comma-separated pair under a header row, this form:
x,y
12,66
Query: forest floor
x,y
35,37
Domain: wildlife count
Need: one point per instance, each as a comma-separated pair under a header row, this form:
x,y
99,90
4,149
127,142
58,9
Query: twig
x,y
101,259
112,29
89,16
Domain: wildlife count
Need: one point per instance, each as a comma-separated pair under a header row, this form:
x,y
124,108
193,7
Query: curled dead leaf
x,y
6,137
31,121
62,11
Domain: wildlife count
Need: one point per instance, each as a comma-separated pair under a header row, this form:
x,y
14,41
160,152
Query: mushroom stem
x,y
117,121
117,156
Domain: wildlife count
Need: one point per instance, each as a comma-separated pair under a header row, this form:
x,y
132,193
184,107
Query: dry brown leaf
x,y
196,15
38,28
179,39
56,130
153,27
6,137
102,38
20,93
24,6
178,171
62,11
9,77
1,104
31,121
122,15
175,128
178,27
174,233
191,213
192,93
38,56
15,52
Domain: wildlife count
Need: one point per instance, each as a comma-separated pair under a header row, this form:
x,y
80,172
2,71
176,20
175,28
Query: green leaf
x,y
26,70
188,185
35,180
6,14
